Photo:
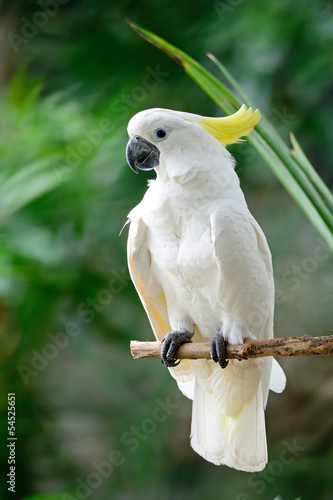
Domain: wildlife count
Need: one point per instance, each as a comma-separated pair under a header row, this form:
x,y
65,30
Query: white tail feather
x,y
239,442
278,379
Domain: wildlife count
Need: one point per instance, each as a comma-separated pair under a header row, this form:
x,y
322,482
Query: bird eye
x,y
161,133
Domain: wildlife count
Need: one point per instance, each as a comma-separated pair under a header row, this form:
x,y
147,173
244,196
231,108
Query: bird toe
x,y
218,350
171,342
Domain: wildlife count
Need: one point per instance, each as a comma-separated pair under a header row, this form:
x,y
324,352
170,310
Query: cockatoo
x,y
202,268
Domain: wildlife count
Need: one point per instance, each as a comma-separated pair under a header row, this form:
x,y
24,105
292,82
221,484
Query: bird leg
x,y
170,344
218,350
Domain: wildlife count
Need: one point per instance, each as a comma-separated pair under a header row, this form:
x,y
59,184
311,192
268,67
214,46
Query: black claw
x,y
170,345
218,350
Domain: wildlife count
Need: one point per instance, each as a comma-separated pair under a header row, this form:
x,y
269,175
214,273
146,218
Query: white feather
x,y
237,442
278,379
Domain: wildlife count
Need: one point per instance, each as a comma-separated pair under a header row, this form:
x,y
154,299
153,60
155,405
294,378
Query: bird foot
x,y
218,350
171,342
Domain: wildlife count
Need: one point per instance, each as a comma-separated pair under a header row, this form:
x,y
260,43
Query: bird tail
x,y
238,441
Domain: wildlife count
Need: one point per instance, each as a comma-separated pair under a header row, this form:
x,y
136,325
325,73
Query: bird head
x,y
178,142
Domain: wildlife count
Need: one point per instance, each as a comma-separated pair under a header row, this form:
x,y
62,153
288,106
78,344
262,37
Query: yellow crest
x,y
230,129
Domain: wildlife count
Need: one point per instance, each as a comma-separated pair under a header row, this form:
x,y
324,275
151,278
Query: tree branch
x,y
289,346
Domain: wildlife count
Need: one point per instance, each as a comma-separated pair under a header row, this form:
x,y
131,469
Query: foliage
x,y
67,308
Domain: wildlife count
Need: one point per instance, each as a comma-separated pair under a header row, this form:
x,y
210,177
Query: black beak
x,y
141,154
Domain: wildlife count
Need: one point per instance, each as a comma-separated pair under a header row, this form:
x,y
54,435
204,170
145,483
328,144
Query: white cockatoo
x,y
202,268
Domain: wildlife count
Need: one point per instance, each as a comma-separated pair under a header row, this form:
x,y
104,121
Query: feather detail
x,y
278,379
236,442
230,129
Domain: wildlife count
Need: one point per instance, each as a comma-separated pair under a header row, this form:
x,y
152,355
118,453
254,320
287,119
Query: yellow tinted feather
x,y
230,129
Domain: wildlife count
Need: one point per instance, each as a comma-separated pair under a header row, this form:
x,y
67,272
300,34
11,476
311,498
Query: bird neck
x,y
210,180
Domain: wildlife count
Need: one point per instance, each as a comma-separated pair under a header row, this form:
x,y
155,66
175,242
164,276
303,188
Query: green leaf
x,y
302,160
26,185
292,168
267,130
211,85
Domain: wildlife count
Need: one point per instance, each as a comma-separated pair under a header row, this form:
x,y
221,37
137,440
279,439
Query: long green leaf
x,y
266,140
24,186
308,169
272,137
215,89
291,186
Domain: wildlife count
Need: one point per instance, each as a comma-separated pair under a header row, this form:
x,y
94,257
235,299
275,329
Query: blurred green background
x,y
91,422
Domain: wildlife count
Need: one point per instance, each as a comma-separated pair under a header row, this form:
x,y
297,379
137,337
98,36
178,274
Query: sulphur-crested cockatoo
x,y
202,268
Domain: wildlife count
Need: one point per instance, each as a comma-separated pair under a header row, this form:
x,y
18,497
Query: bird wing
x,y
153,298
246,292
228,425
246,274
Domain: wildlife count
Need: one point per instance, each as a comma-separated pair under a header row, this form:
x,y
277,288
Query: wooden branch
x,y
289,346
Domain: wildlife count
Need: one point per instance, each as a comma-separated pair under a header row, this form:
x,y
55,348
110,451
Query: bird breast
x,y
181,248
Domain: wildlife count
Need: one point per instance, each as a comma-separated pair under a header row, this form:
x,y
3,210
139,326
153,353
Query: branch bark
x,y
289,346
